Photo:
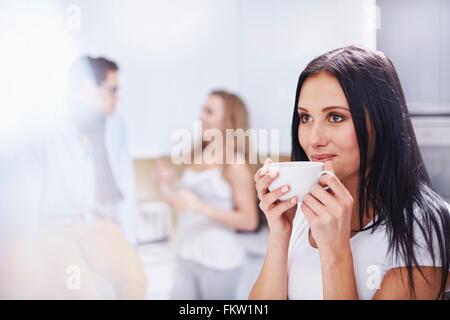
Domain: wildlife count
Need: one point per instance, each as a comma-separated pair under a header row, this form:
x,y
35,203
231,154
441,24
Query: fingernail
x,y
285,189
294,200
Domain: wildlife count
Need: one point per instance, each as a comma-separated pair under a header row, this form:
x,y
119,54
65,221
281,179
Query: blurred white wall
x,y
278,39
424,45
173,52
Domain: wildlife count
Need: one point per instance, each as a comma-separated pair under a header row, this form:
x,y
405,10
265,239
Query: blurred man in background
x,y
93,97
67,200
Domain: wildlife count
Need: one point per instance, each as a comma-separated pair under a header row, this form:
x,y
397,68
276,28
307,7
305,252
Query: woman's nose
x,y
318,136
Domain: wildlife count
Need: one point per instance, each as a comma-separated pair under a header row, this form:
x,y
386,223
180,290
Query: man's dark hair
x,y
100,67
93,68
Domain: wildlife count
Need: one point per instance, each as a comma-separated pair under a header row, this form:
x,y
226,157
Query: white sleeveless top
x,y
370,260
200,238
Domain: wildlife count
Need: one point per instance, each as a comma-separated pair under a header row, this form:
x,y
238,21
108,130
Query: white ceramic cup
x,y
299,175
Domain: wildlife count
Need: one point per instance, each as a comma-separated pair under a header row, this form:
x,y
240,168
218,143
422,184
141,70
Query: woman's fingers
x,y
263,183
315,205
263,170
282,207
322,195
336,186
309,214
263,178
270,197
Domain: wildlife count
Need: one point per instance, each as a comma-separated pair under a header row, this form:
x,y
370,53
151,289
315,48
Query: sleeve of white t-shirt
x,y
422,253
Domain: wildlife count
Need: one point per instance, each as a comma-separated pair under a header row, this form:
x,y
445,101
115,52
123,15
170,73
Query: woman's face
x,y
212,115
326,130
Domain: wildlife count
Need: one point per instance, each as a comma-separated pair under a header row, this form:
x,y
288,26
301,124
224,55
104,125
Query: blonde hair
x,y
235,118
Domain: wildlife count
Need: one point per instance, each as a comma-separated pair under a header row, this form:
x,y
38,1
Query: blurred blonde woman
x,y
214,199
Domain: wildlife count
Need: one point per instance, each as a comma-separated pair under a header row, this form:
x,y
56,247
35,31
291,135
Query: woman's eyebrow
x,y
326,108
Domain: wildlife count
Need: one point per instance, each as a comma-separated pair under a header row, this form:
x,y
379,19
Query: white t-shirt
x,y
122,168
370,260
200,238
45,180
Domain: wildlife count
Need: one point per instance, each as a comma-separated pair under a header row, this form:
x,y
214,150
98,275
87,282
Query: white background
x,y
173,52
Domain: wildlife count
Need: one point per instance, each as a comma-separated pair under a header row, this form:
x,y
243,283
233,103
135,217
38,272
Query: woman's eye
x,y
305,118
335,117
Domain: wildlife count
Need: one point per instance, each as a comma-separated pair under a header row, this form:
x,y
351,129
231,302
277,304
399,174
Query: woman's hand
x,y
329,213
162,177
279,214
185,200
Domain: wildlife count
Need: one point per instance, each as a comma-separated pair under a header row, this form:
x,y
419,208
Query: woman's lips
x,y
323,158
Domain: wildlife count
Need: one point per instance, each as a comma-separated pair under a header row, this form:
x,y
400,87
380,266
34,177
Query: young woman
x,y
214,199
380,231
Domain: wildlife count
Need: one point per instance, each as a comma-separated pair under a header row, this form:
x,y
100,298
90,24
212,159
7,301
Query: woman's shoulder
x,y
203,171
237,172
236,168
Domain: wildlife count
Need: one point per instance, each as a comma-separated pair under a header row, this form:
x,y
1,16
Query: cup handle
x,y
326,172
321,173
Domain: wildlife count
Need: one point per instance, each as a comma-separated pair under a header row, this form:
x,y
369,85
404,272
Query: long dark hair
x,y
397,185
